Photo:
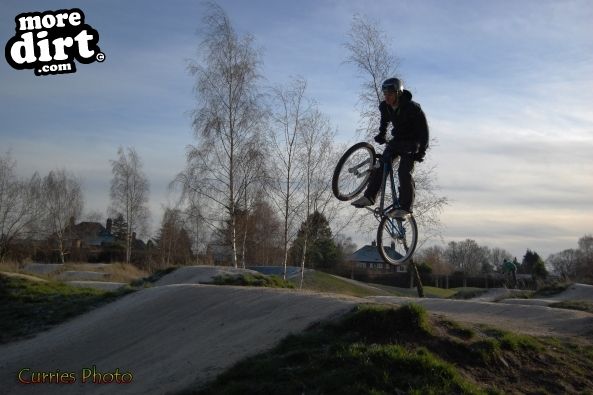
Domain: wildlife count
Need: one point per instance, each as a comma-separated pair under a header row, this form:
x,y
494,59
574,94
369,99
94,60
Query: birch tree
x,y
286,174
317,161
369,52
62,205
228,117
129,194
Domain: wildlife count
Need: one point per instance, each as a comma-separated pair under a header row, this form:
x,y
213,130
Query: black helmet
x,y
393,85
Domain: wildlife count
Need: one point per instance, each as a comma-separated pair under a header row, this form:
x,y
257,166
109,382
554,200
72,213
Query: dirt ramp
x,y
167,337
534,320
200,274
576,292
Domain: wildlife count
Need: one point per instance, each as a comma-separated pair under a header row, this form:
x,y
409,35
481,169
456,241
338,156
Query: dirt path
x,y
168,337
535,320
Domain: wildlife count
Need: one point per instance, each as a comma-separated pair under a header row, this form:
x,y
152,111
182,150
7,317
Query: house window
x,y
401,269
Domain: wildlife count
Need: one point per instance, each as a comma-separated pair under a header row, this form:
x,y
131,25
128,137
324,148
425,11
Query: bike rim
x,y
397,239
355,172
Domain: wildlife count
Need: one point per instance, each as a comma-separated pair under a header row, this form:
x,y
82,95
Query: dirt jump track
x,y
171,337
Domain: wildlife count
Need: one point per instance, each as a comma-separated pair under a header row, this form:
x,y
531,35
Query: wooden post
x,y
418,279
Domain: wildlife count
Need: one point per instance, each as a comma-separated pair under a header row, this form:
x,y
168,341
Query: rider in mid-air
x,y
409,142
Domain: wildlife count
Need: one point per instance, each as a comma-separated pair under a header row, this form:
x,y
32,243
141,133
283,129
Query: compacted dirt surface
x,y
180,333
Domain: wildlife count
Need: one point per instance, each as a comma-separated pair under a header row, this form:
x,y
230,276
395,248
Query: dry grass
x,y
9,267
116,272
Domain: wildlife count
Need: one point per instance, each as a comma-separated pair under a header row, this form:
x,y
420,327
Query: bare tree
x,y
565,263
435,257
368,50
227,119
291,108
466,256
196,227
173,241
252,171
129,194
585,266
63,203
19,208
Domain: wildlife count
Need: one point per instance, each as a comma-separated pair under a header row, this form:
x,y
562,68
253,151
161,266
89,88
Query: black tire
x,y
394,247
353,171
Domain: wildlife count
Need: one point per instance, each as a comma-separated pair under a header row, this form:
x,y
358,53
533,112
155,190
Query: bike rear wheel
x,y
353,171
397,239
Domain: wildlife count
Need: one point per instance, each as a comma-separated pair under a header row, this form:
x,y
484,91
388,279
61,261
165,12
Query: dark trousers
x,y
404,173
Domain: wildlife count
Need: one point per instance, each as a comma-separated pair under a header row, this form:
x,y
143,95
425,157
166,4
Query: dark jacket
x,y
409,122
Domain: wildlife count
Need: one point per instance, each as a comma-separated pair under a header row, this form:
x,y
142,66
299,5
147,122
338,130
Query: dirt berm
x,y
169,337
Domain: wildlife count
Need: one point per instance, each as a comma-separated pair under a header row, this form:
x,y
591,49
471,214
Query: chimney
x,y
133,236
71,222
108,225
374,243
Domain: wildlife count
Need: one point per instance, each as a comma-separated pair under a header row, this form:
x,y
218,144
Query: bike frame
x,y
382,211
397,228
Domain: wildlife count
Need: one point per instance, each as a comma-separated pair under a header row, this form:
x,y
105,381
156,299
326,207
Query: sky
x,y
506,86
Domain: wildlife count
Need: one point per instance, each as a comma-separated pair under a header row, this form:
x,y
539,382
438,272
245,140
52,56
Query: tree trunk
x,y
243,246
304,258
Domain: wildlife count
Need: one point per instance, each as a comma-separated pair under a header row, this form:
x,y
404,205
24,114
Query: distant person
x,y
510,271
409,142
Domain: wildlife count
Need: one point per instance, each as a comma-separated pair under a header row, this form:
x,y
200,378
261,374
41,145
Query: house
x,y
90,234
368,258
88,241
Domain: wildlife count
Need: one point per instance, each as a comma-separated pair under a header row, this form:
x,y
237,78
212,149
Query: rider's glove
x,y
419,156
380,138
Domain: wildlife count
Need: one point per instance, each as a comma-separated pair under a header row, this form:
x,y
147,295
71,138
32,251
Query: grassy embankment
x,y
30,304
381,350
28,307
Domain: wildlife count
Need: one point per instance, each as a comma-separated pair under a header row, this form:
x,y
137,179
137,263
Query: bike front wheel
x,y
397,239
353,171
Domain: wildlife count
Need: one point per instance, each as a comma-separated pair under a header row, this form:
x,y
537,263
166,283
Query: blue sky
x,y
506,87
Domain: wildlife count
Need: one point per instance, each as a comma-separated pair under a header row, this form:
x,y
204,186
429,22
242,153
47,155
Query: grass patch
x,y
323,282
429,292
365,353
581,305
252,280
456,329
29,307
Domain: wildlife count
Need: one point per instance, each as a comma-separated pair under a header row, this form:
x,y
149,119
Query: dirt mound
x,y
575,292
43,268
492,295
72,275
167,337
535,320
200,274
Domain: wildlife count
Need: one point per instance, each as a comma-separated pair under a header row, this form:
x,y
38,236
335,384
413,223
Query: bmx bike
x,y
396,237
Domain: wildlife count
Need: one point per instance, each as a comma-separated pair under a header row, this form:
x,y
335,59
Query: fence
x,y
405,280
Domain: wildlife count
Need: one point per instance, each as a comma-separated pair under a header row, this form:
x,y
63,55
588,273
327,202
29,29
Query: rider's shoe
x,y
362,202
398,213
